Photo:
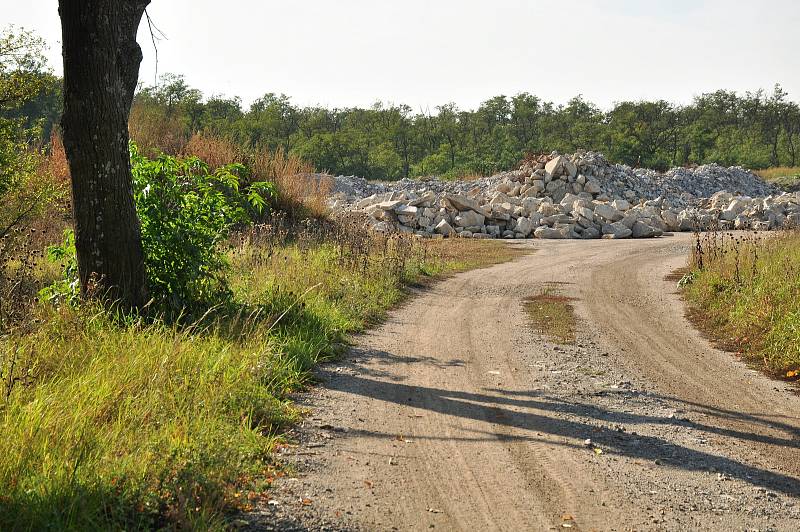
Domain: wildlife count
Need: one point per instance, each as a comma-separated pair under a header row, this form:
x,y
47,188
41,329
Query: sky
x,y
429,52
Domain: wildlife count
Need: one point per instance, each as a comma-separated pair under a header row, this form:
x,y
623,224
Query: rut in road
x,y
456,415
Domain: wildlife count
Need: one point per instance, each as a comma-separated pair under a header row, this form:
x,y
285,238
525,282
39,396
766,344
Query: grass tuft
x,y
301,191
553,316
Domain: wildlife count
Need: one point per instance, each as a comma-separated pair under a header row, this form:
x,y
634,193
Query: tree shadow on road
x,y
532,412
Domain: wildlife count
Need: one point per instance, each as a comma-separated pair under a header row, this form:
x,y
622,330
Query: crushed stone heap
x,y
578,196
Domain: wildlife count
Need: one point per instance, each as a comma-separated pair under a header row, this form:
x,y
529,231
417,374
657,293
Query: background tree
x,y
101,70
26,110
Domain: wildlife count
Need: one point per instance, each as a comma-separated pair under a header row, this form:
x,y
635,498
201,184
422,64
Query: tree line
x,y
758,130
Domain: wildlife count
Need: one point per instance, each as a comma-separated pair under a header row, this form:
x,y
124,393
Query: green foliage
x,y
23,79
17,161
186,212
756,129
21,62
67,288
21,65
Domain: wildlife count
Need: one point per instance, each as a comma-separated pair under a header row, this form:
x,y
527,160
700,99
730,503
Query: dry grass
x,y
771,174
553,316
301,191
55,164
468,254
298,184
212,150
153,133
786,177
34,215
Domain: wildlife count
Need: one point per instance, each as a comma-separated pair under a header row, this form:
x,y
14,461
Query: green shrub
x,y
185,211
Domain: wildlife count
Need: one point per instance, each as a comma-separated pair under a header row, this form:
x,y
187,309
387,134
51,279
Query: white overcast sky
x,y
428,52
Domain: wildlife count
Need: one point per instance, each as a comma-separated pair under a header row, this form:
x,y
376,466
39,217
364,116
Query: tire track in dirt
x,y
455,415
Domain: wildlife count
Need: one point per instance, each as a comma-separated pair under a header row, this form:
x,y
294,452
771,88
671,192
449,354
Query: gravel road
x,y
456,415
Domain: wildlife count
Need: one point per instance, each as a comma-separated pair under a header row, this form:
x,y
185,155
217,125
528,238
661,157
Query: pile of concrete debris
x,y
582,196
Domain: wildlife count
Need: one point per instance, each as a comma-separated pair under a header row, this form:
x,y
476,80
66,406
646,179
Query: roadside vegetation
x,y
151,422
744,290
168,418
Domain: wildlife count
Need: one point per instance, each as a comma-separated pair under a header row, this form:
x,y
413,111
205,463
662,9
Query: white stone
x,y
548,232
405,210
524,226
621,205
592,187
469,219
444,228
608,213
642,230
616,230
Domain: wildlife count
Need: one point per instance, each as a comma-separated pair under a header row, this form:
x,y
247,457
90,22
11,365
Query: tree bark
x,y
101,70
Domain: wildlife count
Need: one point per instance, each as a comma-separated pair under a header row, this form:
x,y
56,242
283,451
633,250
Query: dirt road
x,y
456,415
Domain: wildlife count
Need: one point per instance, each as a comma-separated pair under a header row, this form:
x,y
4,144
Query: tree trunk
x,y
101,70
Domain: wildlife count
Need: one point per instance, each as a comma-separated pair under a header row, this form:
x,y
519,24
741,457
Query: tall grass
x,y
746,289
133,427
301,191
356,275
136,425
155,133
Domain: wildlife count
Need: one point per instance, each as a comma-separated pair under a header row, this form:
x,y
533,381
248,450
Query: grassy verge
x,y
745,291
785,177
553,316
146,425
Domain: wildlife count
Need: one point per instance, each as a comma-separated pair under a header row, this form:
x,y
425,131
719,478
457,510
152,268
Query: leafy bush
x,y
186,211
67,288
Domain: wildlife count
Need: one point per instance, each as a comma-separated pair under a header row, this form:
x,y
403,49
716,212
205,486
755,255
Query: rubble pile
x,y
579,196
